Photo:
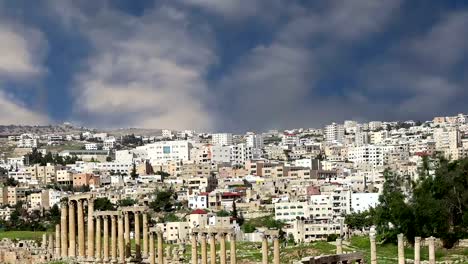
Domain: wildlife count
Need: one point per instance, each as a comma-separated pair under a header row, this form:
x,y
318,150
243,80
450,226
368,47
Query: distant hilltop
x,y
8,130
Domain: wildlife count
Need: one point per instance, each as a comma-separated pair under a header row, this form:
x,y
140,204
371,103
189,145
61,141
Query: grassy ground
x,y
22,235
249,252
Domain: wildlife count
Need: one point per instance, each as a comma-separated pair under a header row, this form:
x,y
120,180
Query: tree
x,y
127,202
103,204
359,221
134,173
11,182
222,213
163,201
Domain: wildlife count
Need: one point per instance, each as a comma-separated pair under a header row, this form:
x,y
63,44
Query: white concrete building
x,y
91,146
255,141
290,211
361,202
163,151
367,154
221,139
334,132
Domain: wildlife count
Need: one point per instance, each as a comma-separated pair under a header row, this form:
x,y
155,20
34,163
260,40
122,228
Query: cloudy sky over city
x,y
231,65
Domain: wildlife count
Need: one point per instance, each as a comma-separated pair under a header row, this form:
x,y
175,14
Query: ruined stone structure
x,y
213,234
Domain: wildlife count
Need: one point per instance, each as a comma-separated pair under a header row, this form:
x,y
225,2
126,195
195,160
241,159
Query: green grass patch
x,y
22,235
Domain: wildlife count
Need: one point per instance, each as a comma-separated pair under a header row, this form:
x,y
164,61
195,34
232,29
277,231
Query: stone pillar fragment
x,y
431,244
417,250
373,247
44,241
401,249
264,249
50,244
63,229
339,246
127,235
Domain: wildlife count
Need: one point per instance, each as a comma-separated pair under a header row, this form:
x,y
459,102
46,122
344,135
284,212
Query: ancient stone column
x,y
160,247
212,248
121,239
152,257
106,238
373,248
98,239
339,246
194,248
204,256
114,238
233,248
63,229
431,244
401,249
137,236
81,230
127,235
222,248
90,244
44,241
72,228
276,250
264,249
145,235
417,250
50,244
57,241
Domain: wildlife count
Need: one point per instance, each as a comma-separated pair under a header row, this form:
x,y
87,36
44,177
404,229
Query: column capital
x,y
71,202
417,239
64,203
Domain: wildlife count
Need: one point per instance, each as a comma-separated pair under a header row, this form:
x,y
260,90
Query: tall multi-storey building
x,y
334,132
254,141
446,138
367,154
221,139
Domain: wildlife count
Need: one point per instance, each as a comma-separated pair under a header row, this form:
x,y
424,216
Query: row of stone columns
x,y
401,249
211,234
273,235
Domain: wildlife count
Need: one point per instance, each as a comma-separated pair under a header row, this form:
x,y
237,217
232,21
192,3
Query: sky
x,y
237,65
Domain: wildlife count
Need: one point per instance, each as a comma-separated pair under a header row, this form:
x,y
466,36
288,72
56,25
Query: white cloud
x,y
22,50
147,72
14,112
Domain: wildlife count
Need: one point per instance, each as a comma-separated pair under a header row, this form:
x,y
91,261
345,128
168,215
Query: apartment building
x,y
334,133
221,139
163,151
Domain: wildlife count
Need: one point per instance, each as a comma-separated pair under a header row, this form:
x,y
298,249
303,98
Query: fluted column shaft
x,y
106,238
194,248
90,245
233,248
204,256
72,229
127,235
145,235
114,238
417,250
137,236
98,238
212,249
63,229
51,244
57,241
160,247
121,239
264,250
222,248
81,231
